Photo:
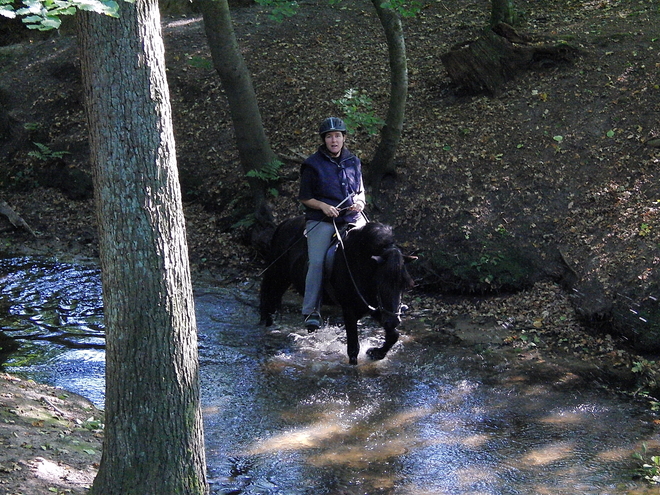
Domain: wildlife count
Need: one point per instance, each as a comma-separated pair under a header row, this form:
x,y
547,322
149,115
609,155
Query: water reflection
x,y
285,414
53,312
432,418
50,306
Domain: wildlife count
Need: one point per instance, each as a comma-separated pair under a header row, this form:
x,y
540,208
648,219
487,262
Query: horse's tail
x,y
277,276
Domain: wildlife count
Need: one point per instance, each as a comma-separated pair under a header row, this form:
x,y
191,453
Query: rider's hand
x,y
329,210
359,206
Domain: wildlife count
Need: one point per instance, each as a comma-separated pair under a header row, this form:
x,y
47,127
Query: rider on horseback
x,y
332,191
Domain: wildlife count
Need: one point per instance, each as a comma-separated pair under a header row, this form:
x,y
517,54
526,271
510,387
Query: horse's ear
x,y
408,259
378,259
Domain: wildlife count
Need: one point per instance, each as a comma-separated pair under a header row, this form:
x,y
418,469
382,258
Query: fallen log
x,y
486,64
14,218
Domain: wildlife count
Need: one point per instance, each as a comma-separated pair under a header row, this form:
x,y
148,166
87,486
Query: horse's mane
x,y
371,239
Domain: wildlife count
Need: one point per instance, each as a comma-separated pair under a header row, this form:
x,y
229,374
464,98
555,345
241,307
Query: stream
x,y
285,414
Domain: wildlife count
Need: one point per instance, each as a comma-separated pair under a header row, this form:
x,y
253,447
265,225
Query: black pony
x,y
368,276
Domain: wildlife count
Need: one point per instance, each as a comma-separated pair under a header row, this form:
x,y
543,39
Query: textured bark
x,y
382,163
253,147
486,64
502,11
153,436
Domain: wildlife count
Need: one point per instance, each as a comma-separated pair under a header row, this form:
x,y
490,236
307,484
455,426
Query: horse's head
x,y
391,278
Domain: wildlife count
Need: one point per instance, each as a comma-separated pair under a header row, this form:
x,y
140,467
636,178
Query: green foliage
x,y
45,153
496,266
647,373
644,229
269,173
501,230
44,15
486,266
199,62
31,126
359,114
406,8
650,468
280,9
93,424
246,222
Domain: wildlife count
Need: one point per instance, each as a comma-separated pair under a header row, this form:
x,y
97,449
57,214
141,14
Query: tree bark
x,y
486,64
502,11
382,163
154,440
253,146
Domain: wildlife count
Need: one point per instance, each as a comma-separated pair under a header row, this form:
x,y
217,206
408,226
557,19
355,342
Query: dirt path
x,y
50,439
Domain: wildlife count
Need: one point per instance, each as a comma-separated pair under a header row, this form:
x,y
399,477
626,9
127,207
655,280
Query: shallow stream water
x,y
285,414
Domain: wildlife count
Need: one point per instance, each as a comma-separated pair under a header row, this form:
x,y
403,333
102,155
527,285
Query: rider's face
x,y
334,141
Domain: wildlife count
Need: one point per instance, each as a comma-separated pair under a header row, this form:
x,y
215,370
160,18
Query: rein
x,y
348,268
285,251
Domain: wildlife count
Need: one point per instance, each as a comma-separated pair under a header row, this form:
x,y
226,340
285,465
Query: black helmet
x,y
332,124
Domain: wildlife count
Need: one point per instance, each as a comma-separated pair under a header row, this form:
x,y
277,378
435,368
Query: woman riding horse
x,y
368,277
332,192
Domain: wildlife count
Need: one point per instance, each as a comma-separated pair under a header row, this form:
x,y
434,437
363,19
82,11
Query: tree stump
x,y
486,64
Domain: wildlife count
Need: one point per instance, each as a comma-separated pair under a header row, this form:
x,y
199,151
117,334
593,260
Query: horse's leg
x,y
391,337
273,287
353,342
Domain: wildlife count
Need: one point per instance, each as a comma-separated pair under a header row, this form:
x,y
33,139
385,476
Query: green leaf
x,y
108,7
7,11
610,133
50,22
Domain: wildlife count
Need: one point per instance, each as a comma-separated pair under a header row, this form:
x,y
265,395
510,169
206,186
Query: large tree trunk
x,y
382,163
253,146
154,440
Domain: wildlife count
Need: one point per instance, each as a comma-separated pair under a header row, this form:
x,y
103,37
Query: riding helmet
x,y
332,124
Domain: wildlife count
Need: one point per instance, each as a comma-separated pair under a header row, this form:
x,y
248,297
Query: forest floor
x,y
50,439
562,156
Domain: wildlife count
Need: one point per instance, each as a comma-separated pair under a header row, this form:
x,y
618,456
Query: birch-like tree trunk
x,y
382,162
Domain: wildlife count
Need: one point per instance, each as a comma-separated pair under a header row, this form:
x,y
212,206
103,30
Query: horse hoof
x,y
267,321
376,354
352,360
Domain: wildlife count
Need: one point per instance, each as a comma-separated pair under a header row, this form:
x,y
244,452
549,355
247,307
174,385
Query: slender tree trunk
x,y
502,11
154,442
383,161
253,146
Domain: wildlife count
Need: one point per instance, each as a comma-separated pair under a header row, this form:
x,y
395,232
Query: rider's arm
x,y
315,204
